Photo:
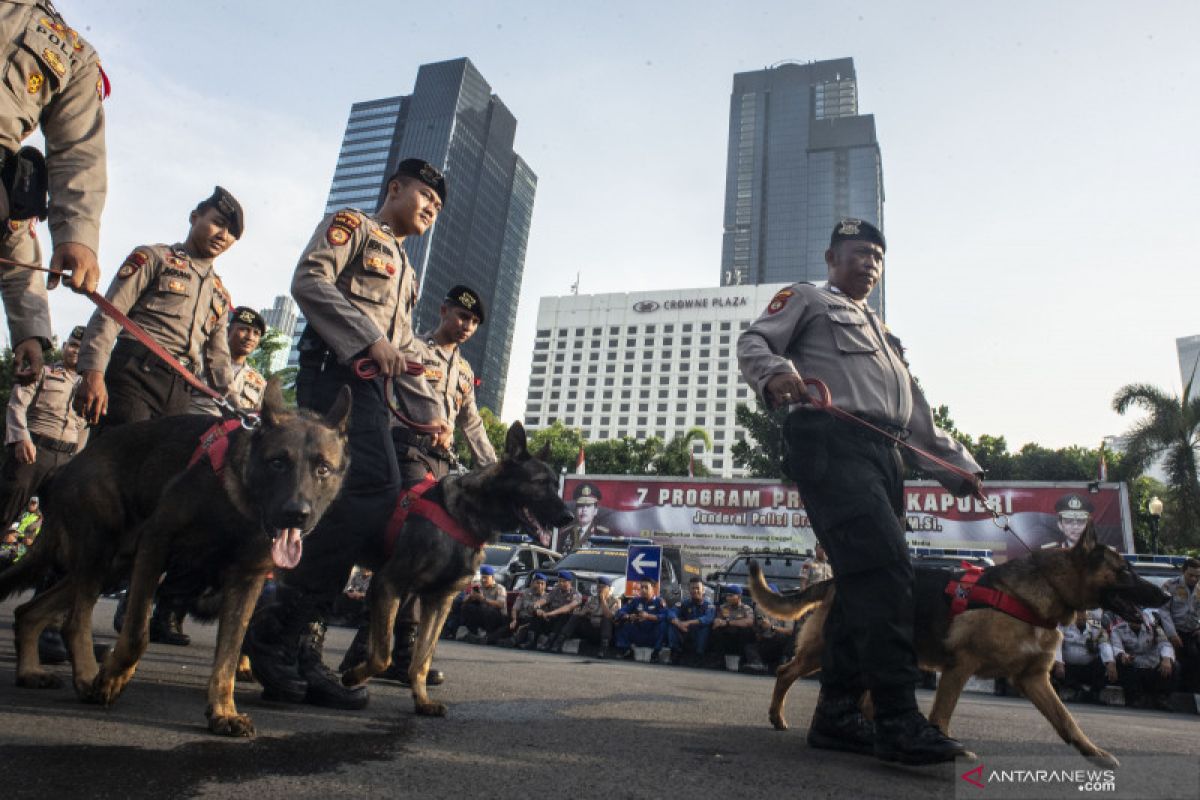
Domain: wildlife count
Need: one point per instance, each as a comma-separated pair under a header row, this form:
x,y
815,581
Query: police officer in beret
x,y
174,293
1072,512
54,83
851,481
587,499
357,289
43,430
246,384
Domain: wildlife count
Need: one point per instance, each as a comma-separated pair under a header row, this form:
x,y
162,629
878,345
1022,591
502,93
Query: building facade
x,y
800,158
1188,350
282,316
454,121
644,364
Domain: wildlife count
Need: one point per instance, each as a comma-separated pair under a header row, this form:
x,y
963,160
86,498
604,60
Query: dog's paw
x,y
1103,758
106,689
39,680
231,725
778,722
430,709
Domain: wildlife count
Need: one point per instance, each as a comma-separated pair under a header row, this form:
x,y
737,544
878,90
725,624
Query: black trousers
x,y
852,487
1091,675
140,387
582,626
482,617
19,482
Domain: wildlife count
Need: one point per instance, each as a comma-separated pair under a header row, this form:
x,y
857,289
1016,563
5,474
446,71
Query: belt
x,y
57,445
130,348
421,441
870,435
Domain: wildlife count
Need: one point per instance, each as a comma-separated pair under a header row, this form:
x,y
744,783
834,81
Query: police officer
x,y
593,620
642,622
1084,657
55,83
246,385
852,485
174,293
357,289
43,430
1072,512
690,621
587,503
1181,622
733,630
1145,660
484,609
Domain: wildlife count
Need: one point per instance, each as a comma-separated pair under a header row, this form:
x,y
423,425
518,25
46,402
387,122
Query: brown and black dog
x,y
986,642
518,492
131,505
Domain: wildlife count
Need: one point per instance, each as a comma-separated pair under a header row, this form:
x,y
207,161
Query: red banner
x,y
715,518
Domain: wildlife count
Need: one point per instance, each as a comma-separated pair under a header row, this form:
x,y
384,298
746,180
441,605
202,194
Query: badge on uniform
x,y
380,266
779,301
135,261
34,84
54,62
337,235
175,286
433,374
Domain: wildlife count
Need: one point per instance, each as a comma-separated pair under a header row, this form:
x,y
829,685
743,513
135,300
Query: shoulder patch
x,y
348,219
779,301
337,235
133,262
253,377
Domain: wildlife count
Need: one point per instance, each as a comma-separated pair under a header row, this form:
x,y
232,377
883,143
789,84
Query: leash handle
x,y
368,369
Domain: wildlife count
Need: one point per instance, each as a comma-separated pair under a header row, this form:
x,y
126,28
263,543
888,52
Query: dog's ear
x,y
338,417
516,446
273,407
1087,541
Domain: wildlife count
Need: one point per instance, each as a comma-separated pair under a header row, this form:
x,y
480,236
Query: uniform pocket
x,y
851,332
37,67
372,288
169,298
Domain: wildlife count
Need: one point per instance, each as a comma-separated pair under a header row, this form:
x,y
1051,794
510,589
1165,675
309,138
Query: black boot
x,y
839,724
119,613
166,628
273,643
324,685
51,649
359,649
406,636
752,661
911,739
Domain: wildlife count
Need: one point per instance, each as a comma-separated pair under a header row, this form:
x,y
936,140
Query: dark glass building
x,y
453,121
800,158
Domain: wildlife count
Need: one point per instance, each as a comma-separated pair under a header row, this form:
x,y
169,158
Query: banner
x,y
715,518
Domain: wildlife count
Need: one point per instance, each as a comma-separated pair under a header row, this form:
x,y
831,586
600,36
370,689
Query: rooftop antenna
x,y
575,285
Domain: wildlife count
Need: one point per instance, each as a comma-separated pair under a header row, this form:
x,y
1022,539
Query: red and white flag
x,y
691,465
580,465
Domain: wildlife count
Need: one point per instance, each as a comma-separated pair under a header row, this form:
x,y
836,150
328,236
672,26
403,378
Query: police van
x,y
950,558
1156,569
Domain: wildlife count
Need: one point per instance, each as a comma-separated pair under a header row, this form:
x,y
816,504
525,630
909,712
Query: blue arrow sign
x,y
644,562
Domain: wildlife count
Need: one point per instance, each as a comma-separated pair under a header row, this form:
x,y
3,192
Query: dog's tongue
x,y
286,549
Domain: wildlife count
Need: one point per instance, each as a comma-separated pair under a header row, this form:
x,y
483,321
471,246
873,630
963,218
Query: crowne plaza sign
x,y
684,304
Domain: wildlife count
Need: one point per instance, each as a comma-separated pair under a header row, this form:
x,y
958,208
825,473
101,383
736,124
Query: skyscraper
x,y
453,121
282,316
800,158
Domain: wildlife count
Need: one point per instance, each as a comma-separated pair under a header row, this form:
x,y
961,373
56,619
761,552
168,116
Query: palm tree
x,y
676,454
1171,430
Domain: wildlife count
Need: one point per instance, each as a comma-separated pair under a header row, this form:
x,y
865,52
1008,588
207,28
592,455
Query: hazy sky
x,y
1039,161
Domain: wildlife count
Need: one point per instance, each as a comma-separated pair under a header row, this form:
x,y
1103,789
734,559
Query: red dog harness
x,y
966,591
214,443
414,502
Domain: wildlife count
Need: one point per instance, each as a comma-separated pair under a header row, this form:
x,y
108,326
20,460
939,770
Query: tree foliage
x,y
273,342
761,452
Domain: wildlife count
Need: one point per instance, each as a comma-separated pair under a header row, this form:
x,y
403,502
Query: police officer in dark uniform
x,y
587,498
851,482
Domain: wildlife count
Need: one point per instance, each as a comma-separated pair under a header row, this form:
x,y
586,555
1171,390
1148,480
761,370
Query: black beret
x,y
423,171
229,207
248,316
466,298
587,493
77,333
854,229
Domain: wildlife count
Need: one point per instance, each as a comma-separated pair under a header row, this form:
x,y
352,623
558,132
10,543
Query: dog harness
x,y
967,593
214,443
414,502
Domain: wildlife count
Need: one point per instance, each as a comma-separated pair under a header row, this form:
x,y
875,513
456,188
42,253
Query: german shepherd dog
x,y
517,492
983,641
131,505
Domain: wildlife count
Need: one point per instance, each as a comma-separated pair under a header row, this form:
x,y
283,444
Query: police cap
x,y
467,298
487,569
76,334
248,316
851,229
423,171
587,494
229,207
1073,506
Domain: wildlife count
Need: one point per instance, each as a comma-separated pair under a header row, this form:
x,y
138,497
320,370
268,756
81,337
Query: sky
x,y
1039,161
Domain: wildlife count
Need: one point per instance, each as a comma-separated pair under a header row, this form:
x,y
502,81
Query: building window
x,y
608,395
604,422
624,408
641,421
681,406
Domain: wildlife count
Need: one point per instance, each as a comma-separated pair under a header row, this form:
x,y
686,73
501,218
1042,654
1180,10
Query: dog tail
x,y
786,605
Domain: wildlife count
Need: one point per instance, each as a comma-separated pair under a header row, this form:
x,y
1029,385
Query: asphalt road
x,y
520,725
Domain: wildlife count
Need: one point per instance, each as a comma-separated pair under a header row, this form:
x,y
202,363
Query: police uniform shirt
x,y
496,593
178,299
53,79
730,614
593,607
355,286
655,605
1181,614
573,537
45,407
452,381
689,609
559,597
245,392
818,571
528,602
822,333
1147,645
1082,646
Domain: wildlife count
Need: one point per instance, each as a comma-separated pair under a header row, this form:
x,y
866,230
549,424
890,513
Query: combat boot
x,y
165,627
359,649
324,685
911,739
406,636
752,661
272,642
51,648
839,724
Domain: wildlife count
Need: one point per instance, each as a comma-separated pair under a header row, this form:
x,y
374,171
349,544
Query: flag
x,y
580,465
691,464
1102,472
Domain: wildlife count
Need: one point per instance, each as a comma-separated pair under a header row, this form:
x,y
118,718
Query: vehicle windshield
x,y
773,567
498,555
608,561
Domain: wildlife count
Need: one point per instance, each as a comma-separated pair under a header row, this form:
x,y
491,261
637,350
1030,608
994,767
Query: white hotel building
x,y
645,364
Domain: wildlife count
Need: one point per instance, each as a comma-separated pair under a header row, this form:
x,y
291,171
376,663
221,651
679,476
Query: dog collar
x,y
414,501
214,443
966,593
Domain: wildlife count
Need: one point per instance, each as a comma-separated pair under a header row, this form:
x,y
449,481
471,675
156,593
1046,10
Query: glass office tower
x,y
454,121
800,157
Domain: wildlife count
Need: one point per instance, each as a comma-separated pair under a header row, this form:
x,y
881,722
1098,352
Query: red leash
x,y
137,332
368,369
